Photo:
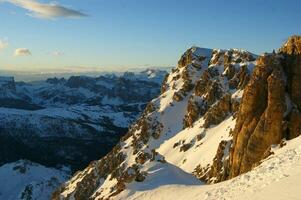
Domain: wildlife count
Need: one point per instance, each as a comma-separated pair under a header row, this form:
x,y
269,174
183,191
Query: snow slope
x,y
159,149
277,178
26,180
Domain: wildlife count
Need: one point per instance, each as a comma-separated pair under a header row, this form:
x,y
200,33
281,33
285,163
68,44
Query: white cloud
x,y
22,52
56,53
3,44
46,10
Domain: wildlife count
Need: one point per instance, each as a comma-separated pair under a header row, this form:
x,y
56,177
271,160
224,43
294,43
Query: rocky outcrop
x,y
269,111
259,122
218,112
227,70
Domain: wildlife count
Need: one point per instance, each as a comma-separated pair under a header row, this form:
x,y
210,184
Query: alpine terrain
x,y
226,125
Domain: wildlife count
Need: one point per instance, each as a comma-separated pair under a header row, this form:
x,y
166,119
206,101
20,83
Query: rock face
x,y
211,90
269,111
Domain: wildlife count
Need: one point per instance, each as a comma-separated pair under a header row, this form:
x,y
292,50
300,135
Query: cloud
x,y
22,52
46,10
56,53
3,44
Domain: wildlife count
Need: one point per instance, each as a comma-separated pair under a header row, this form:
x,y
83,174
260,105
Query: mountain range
x,y
50,129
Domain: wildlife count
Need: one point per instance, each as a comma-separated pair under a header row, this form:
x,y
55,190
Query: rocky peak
x,y
195,56
269,111
228,70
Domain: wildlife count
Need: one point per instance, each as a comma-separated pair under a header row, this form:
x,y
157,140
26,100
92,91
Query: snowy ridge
x,y
159,144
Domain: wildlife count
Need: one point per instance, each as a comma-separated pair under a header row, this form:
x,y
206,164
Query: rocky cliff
x,y
270,108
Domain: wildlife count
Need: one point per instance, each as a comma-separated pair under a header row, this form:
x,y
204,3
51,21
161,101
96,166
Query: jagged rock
x,y
142,157
218,112
269,111
194,111
185,147
259,123
164,84
209,89
294,124
240,79
220,163
177,96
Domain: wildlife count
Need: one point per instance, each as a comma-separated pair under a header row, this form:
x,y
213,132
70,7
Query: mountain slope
x,y
23,180
202,92
219,114
277,177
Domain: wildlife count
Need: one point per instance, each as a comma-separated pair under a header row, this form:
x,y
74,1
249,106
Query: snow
x,y
91,115
277,178
150,75
160,175
201,152
24,175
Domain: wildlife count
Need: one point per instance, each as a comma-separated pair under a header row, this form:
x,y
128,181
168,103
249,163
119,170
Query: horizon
x,y
118,35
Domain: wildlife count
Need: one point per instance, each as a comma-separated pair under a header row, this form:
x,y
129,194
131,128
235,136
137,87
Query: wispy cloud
x,y
3,44
56,53
47,10
22,52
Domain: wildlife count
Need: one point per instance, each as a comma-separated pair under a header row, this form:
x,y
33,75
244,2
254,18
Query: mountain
x,y
70,121
23,180
220,114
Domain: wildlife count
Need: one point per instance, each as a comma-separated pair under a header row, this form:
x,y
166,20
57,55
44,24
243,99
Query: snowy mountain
x,y
220,116
70,121
23,180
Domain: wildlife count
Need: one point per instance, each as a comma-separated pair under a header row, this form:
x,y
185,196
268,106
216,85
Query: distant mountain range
x,y
71,121
34,75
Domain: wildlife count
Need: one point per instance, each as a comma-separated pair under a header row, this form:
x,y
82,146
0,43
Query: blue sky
x,y
120,34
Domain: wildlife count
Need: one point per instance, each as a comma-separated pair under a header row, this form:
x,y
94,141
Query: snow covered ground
x,y
26,180
277,178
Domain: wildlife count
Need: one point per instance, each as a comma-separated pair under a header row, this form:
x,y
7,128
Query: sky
x,y
83,35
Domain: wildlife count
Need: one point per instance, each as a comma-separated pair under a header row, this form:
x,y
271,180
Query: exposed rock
x,y
211,94
185,147
269,111
218,112
294,124
220,163
259,123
